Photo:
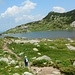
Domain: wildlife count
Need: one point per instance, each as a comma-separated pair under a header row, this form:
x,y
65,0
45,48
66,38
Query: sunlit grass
x,y
59,52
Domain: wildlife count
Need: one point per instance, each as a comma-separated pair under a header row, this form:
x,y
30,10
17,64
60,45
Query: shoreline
x,y
36,31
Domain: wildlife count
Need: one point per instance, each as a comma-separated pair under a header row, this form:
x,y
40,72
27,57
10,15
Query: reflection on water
x,y
45,34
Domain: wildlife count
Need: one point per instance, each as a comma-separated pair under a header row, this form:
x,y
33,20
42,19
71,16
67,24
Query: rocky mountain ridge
x,y
53,21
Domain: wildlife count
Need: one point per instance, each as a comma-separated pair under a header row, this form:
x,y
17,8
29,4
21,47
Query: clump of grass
x,y
19,70
73,44
13,56
3,64
70,70
52,44
1,42
72,60
41,63
12,70
60,46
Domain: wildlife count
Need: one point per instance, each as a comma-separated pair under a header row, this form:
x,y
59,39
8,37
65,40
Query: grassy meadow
x,y
56,49
9,65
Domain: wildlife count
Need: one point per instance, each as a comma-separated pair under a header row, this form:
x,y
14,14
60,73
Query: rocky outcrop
x,y
73,24
70,47
74,63
27,73
43,57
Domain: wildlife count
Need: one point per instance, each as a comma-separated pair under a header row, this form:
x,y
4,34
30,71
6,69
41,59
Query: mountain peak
x,y
53,21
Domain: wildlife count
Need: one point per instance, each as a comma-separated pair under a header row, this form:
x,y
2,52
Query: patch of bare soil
x,y
4,47
45,71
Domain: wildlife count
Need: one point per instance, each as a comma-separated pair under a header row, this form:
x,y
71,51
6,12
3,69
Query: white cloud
x,y
59,9
27,18
15,10
17,15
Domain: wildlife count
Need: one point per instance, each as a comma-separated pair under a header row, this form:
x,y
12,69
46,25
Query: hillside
x,y
53,21
57,56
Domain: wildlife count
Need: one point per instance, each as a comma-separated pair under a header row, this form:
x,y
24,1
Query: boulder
x,y
52,47
35,49
73,24
27,73
4,59
34,58
12,62
74,63
56,73
69,39
43,57
16,66
71,47
16,74
39,53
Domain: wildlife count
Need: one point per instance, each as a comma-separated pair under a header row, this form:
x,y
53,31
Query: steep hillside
x,y
53,21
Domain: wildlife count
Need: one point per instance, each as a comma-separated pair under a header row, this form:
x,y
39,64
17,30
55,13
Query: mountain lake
x,y
44,34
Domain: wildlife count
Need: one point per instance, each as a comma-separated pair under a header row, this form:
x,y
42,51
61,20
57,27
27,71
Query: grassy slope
x,y
6,69
53,21
61,52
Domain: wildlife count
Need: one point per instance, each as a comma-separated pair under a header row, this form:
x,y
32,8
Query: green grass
x,y
26,48
41,63
11,70
6,69
56,50
70,70
1,42
73,44
60,52
3,64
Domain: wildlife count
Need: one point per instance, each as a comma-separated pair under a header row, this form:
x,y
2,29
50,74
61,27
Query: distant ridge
x,y
53,21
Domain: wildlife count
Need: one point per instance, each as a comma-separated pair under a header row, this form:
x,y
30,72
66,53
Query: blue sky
x,y
17,12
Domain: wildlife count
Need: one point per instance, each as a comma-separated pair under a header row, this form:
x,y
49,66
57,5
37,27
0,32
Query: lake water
x,y
44,34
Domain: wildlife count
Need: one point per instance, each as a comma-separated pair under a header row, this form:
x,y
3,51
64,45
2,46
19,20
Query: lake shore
x,y
43,34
